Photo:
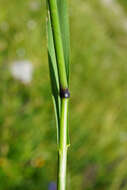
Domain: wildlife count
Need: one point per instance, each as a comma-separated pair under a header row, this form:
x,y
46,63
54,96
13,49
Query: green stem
x,y
64,93
61,184
58,43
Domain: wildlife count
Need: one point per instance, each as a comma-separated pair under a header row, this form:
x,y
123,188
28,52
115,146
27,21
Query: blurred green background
x,y
97,158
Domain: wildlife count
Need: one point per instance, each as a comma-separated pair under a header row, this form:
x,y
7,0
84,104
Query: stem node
x,y
64,93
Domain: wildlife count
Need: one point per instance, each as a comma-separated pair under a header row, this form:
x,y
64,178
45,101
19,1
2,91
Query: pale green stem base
x,y
62,156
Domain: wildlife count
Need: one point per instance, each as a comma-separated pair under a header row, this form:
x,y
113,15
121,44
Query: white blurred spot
x,y
34,5
117,9
22,70
108,2
112,5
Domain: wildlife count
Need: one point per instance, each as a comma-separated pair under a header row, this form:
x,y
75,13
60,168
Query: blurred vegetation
x,y
98,112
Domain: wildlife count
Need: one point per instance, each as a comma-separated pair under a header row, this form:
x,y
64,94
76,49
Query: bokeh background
x,y
97,158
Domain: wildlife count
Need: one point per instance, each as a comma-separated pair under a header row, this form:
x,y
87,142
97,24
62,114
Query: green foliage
x,y
98,122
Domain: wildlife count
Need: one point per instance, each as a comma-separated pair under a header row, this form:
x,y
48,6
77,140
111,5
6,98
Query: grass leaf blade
x,y
54,77
64,26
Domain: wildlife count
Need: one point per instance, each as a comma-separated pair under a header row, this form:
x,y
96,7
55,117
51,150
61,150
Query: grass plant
x,y
58,52
97,158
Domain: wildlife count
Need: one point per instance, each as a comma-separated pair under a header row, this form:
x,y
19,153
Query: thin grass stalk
x,y
62,156
59,81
